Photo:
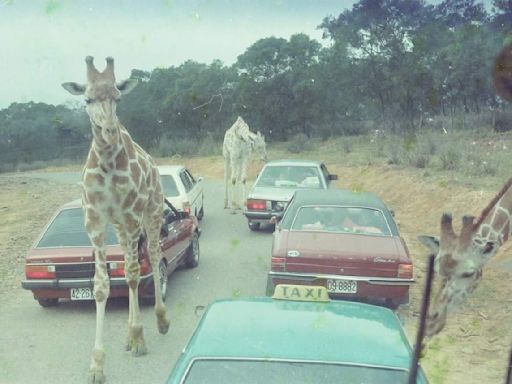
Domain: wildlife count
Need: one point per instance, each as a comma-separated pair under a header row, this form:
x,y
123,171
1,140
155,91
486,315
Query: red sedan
x,y
60,265
346,241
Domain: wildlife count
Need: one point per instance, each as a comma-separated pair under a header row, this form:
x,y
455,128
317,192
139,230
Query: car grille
x,y
74,271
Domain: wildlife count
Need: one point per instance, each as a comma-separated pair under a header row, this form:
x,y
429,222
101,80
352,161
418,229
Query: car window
x,y
186,181
169,186
68,230
289,177
248,372
341,219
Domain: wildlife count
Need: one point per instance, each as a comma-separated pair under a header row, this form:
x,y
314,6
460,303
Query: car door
x,y
194,193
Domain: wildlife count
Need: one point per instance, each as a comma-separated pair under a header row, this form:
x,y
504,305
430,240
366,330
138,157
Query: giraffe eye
x,y
467,274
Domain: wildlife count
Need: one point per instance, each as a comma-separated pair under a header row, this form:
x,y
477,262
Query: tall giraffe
x,y
239,142
120,185
461,258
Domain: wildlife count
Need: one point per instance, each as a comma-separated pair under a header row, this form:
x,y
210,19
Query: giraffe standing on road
x,y
461,258
121,186
239,142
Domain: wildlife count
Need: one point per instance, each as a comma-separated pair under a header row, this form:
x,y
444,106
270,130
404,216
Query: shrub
x,y
450,157
299,143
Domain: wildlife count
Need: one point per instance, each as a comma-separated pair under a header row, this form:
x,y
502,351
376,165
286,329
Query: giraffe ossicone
x,y
239,143
120,186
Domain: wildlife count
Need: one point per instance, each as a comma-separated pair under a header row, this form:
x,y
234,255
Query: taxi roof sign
x,y
301,293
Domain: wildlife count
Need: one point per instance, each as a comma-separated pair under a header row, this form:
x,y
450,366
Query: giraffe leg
x,y
226,182
155,256
135,342
101,292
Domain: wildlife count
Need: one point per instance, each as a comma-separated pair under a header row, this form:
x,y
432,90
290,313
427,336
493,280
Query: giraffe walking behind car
x,y
120,186
461,258
239,142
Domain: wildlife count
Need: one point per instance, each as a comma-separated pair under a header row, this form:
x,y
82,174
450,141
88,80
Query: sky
x,y
44,42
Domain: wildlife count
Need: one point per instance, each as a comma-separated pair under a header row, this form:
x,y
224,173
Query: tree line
x,y
389,64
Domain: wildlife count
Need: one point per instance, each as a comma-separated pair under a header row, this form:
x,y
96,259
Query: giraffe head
x,y
101,96
459,262
258,145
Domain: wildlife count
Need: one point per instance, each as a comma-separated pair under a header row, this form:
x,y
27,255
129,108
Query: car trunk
x,y
72,262
343,254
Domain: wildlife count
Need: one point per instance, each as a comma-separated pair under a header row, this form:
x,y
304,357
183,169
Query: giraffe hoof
x,y
96,377
139,348
163,325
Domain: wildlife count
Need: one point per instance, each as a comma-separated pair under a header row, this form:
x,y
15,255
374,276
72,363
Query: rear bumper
x,y
60,288
367,287
262,216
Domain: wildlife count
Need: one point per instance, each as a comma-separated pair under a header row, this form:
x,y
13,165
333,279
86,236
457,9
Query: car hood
x,y
71,254
271,193
355,247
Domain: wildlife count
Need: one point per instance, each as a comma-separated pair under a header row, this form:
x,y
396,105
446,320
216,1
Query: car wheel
x,y
192,258
163,278
270,287
254,226
48,302
395,303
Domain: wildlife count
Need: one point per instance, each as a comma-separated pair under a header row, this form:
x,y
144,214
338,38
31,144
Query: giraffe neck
x,y
495,225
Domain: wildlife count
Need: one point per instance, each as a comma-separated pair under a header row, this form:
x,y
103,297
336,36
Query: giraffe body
x,y
460,259
239,142
120,186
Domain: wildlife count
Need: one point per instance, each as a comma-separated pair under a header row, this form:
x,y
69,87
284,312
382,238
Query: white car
x,y
182,189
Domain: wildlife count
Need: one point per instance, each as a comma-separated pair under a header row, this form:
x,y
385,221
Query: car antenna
x,y
413,371
508,380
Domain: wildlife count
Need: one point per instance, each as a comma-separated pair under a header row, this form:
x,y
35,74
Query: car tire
x,y
395,303
254,226
192,258
46,303
270,287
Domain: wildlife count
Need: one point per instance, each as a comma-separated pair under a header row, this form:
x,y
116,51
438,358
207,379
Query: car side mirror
x,y
200,178
392,212
333,177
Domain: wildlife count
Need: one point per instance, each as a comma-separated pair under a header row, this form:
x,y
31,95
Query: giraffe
x,y
461,258
239,142
120,185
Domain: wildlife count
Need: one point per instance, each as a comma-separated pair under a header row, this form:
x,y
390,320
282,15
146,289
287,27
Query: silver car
x,y
275,185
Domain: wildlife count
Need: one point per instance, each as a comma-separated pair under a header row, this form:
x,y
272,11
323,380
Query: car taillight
x,y
116,269
405,271
256,205
277,264
39,271
186,207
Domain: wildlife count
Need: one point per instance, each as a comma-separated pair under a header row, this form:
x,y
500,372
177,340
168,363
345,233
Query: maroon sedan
x,y
60,265
346,241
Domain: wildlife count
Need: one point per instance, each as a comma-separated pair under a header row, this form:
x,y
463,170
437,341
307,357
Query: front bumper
x,y
367,286
60,288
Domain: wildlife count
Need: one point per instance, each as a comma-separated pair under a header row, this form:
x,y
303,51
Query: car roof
x,y
293,162
339,331
338,197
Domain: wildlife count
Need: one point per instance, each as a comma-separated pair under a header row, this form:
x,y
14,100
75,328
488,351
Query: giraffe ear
x,y
431,242
126,86
74,88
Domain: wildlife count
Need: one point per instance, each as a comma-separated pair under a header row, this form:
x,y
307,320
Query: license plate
x,y
342,286
82,294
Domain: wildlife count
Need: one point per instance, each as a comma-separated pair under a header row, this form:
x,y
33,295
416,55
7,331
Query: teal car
x,y
297,336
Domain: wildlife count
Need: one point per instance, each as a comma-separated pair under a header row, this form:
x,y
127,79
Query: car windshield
x,y
169,186
341,219
289,177
68,230
257,371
